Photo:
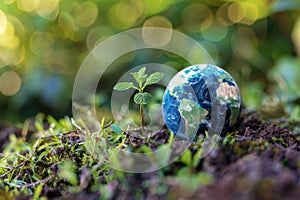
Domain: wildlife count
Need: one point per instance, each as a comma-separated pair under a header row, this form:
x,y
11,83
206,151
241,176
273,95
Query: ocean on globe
x,y
200,98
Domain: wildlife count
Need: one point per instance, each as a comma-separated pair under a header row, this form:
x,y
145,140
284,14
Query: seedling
x,y
142,80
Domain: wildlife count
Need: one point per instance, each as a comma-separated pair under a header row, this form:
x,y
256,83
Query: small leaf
x,y
115,128
140,76
186,158
67,171
163,154
197,157
142,98
142,71
38,191
154,78
124,86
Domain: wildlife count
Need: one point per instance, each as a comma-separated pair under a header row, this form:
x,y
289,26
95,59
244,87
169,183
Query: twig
x,y
43,181
12,168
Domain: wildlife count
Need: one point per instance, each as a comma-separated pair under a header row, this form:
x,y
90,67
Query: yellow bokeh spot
x,y
207,23
130,11
296,36
86,13
195,15
240,12
19,55
18,26
125,14
222,15
158,21
154,36
45,7
12,56
262,7
26,5
152,7
10,83
71,29
3,21
41,43
66,21
14,42
8,39
237,11
11,53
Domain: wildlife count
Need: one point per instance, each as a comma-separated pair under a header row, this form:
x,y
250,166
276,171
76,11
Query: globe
x,y
200,98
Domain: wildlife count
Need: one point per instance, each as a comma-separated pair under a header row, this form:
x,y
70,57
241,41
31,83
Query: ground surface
x,y
258,160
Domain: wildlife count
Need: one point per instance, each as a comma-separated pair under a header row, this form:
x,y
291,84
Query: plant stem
x,y
142,117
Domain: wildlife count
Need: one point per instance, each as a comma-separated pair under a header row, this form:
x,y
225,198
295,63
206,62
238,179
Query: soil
x,y
261,161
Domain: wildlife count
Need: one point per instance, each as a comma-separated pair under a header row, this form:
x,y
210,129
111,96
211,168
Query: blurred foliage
x,y
57,161
42,44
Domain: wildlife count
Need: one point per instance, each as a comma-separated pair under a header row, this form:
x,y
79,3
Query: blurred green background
x,y
43,43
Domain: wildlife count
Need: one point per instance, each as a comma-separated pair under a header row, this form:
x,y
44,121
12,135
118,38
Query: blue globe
x,y
201,97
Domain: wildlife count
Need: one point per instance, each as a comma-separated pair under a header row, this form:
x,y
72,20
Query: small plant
x,y
142,79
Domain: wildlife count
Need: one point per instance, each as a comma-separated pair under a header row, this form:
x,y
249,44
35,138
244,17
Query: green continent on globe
x,y
192,114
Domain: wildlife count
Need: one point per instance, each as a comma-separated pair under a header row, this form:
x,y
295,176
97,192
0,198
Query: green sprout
x,y
142,79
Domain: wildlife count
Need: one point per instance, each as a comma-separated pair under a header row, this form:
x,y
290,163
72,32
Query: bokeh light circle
x,y
150,35
3,21
10,83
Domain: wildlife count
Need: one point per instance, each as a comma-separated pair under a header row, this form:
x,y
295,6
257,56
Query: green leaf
x,y
142,98
38,191
140,76
163,154
67,171
154,78
197,157
186,158
124,86
115,128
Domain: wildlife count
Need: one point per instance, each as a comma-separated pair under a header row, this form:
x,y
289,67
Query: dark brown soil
x,y
136,138
258,160
263,162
